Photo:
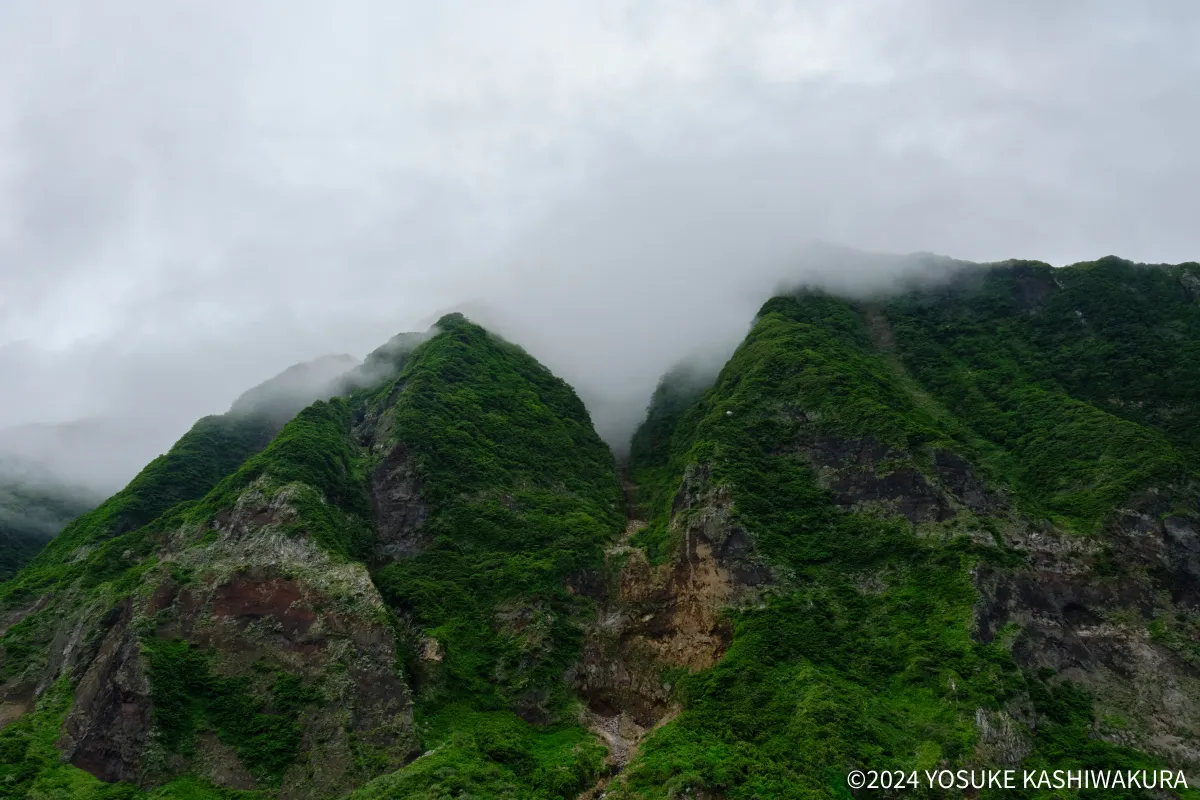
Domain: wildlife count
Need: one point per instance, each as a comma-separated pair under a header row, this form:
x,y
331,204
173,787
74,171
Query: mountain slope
x,y
517,497
51,474
218,622
946,546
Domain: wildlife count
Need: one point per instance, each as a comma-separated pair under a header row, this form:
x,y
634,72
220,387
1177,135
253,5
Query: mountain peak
x,y
453,319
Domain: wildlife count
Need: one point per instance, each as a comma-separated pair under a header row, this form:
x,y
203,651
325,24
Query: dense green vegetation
x,y
188,695
31,767
1064,739
807,366
651,454
1069,390
1089,377
1126,338
825,676
522,497
116,540
17,548
864,655
493,754
203,456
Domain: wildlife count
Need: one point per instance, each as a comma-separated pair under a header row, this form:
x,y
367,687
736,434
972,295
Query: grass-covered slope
x,y
230,629
884,456
214,447
1088,376
824,675
522,495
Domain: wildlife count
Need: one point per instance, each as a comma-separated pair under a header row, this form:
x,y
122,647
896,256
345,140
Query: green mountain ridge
x,y
38,498
950,527
902,627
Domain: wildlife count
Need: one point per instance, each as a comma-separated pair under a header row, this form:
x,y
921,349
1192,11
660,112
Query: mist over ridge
x,y
194,203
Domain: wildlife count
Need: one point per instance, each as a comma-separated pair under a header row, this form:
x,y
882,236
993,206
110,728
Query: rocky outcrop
x,y
399,510
671,615
106,730
263,602
1116,614
866,474
1084,607
1191,286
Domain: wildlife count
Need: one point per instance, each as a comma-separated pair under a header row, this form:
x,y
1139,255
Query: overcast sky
x,y
195,195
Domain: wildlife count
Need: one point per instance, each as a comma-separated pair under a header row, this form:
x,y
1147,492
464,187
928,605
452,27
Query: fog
x,y
671,261
194,196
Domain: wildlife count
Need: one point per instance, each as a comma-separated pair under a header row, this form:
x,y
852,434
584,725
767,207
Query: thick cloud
x,y
195,195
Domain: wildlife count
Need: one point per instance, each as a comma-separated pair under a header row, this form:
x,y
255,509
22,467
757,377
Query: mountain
x,y
282,618
957,527
104,452
34,506
51,474
953,526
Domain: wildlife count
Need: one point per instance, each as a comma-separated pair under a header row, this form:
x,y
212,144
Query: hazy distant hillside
x,y
100,452
291,390
34,506
52,473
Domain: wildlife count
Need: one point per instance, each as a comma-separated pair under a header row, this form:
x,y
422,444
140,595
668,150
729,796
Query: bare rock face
x,y
865,473
399,510
958,478
1032,287
107,728
670,615
262,602
1102,612
1191,285
1003,740
652,617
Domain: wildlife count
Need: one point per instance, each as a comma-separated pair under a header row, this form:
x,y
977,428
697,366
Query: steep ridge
x,y
63,616
237,641
491,574
286,394
938,543
42,467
